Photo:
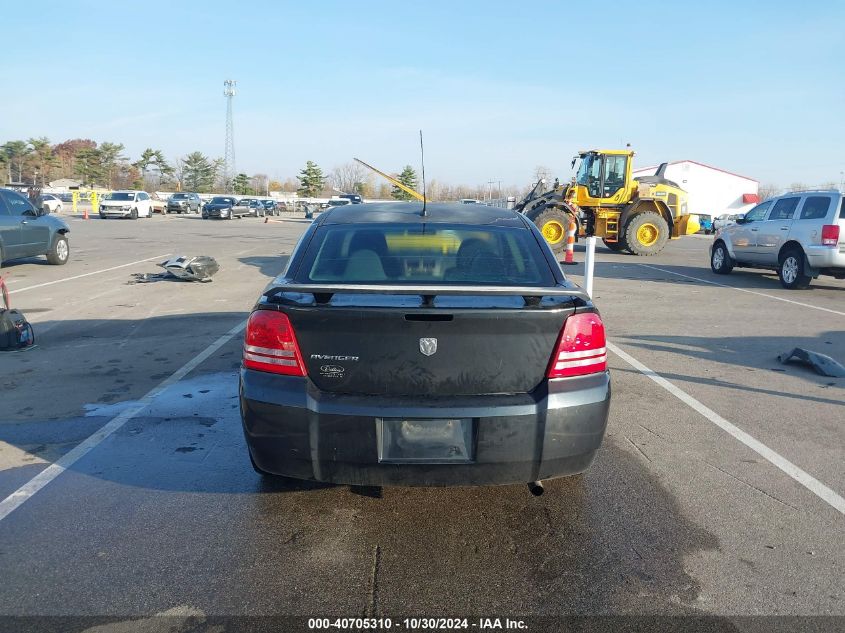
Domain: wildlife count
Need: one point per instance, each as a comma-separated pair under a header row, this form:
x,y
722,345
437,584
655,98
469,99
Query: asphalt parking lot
x,y
718,491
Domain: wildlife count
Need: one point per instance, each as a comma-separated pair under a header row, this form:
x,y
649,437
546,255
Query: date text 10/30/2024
x,y
418,624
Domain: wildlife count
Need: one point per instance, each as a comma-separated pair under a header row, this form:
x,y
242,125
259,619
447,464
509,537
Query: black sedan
x,y
437,349
225,207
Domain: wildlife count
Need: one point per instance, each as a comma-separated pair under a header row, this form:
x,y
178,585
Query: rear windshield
x,y
436,254
842,209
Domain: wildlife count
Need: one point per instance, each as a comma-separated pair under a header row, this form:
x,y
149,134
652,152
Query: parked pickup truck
x,y
159,205
438,349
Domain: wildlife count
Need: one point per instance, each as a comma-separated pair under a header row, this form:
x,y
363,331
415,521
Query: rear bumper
x,y
292,429
826,256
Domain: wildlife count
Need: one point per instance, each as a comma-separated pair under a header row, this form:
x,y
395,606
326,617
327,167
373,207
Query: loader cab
x,y
603,178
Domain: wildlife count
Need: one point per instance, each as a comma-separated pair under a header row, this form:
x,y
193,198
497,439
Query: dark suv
x,y
184,203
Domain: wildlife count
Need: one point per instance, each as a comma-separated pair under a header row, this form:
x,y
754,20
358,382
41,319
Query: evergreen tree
x,y
154,157
240,184
198,173
311,180
408,177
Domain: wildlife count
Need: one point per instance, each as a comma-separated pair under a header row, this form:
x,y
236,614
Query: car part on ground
x,y
184,268
801,235
821,363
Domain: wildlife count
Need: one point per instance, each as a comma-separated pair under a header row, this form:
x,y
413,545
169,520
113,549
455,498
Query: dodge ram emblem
x,y
428,346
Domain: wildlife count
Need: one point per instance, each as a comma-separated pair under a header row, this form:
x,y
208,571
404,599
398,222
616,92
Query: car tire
x,y
231,215
59,251
720,260
133,214
791,269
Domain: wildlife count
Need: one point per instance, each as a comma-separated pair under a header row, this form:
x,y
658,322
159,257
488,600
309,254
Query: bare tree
x,y
349,177
259,183
768,191
542,172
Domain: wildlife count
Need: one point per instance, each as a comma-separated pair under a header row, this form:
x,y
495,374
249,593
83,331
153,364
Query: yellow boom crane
x,y
393,181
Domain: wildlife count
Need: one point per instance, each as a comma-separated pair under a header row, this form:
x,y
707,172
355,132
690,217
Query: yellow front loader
x,y
638,215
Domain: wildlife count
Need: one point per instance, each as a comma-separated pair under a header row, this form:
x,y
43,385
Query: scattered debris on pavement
x,y
183,268
821,363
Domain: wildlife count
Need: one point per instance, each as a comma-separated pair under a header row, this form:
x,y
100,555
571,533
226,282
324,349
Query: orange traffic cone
x,y
569,259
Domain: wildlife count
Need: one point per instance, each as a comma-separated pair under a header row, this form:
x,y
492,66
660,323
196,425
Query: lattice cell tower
x,y
229,153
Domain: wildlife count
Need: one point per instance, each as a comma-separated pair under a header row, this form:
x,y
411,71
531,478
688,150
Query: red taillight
x,y
270,344
830,234
581,347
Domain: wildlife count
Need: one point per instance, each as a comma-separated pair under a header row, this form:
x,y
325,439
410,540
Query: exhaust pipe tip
x,y
536,488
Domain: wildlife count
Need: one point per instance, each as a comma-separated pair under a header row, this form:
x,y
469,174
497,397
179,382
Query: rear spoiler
x,y
532,294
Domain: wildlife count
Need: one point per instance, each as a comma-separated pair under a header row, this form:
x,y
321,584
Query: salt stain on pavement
x,y
209,395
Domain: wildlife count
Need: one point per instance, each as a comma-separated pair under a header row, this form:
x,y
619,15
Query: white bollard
x,y
589,265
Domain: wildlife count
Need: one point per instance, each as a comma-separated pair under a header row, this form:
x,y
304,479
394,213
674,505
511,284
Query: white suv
x,y
801,235
126,204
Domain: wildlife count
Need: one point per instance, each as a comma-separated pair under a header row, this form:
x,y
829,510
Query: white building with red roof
x,y
712,191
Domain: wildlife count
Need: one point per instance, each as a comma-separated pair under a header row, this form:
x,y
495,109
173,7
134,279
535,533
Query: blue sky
x,y
497,87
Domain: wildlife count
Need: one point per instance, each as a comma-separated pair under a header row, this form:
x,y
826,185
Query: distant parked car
x,y
159,205
255,205
270,207
726,219
183,202
126,204
801,235
706,223
337,202
225,208
27,231
354,198
51,203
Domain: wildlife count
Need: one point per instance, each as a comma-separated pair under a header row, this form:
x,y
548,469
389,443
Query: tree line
x,y
37,161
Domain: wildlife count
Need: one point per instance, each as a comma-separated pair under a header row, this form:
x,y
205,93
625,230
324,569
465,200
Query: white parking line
x,y
805,479
22,494
96,272
752,292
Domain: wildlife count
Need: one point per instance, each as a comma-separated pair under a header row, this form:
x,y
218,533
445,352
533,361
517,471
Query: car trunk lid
x,y
361,344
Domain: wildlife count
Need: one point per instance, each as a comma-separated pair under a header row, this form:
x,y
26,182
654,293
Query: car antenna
x,y
422,161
